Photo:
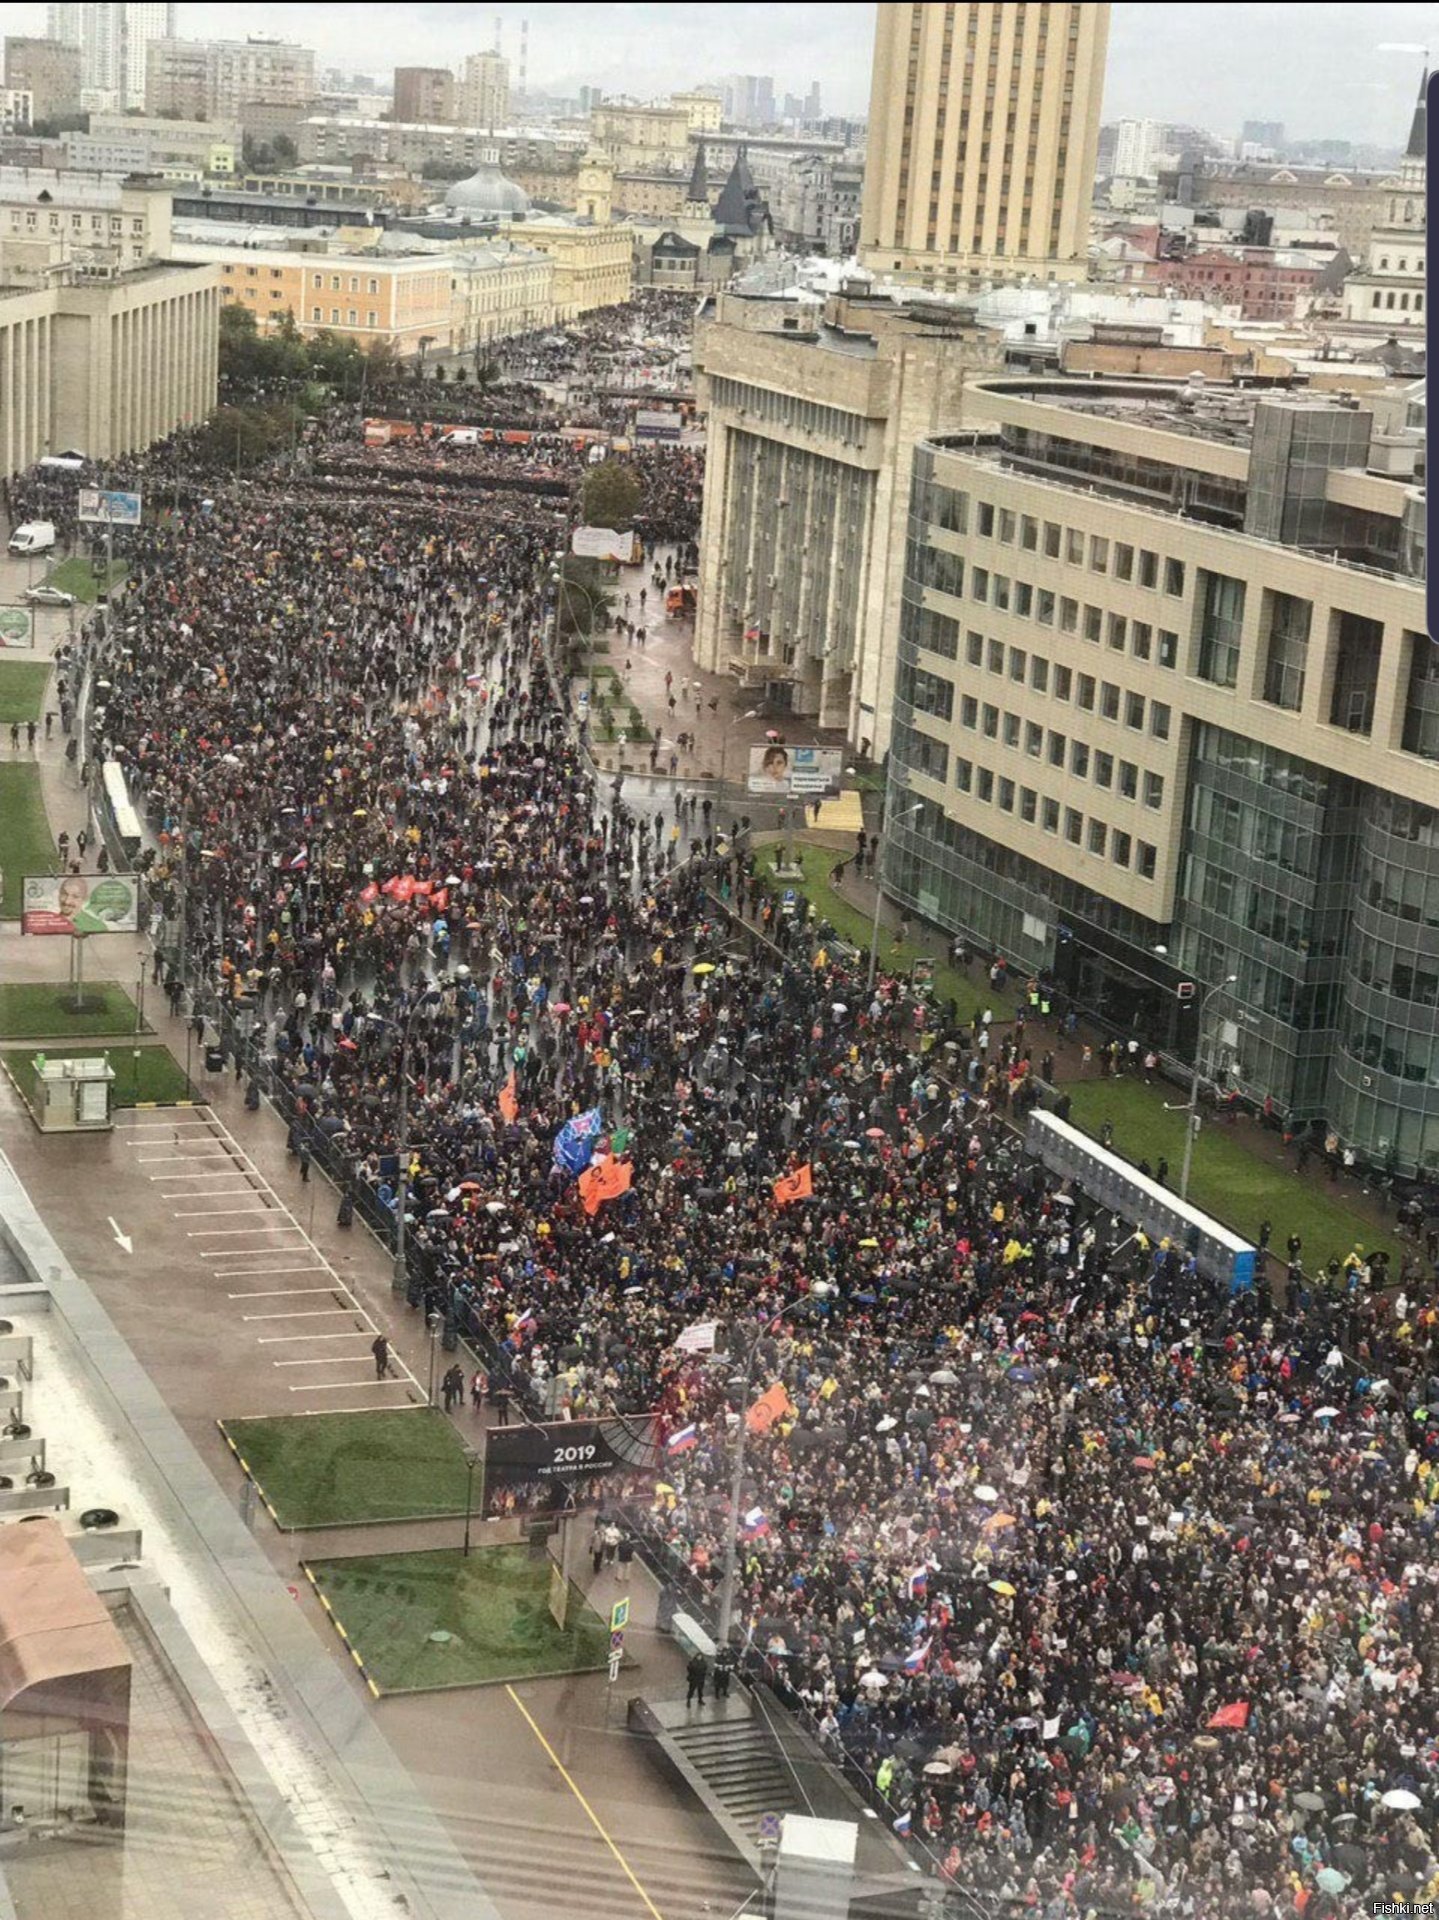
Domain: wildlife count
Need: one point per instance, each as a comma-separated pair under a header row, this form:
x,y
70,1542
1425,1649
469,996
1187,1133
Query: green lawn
x,y
143,1073
25,842
22,690
855,926
1226,1179
43,1012
76,575
345,1469
493,1607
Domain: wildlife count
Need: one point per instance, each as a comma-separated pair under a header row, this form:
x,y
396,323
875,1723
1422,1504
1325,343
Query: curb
x,y
333,1618
245,1469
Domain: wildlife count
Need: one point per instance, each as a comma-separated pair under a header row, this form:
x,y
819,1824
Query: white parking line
x,y
305,1313
161,1126
306,1339
338,1386
213,1173
216,1213
326,1360
235,1233
277,1293
261,1273
249,1253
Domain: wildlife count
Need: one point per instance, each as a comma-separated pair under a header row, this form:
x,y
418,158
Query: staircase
x,y
729,1759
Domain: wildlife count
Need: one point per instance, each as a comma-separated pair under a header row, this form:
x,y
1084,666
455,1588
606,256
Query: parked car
x,y
43,596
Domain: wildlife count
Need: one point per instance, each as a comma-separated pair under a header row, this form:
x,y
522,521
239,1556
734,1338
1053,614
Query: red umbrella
x,y
874,1133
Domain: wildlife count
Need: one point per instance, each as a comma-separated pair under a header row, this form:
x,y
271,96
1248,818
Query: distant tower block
x,y
524,54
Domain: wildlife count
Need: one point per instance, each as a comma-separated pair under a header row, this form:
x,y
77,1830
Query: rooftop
x,y
1204,412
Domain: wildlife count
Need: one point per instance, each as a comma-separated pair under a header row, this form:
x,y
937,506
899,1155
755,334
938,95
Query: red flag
x,y
771,1406
798,1185
509,1101
1236,1714
607,1181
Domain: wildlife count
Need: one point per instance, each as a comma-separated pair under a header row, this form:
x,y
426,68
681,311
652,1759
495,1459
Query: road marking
x,y
594,1818
166,1159
121,1239
162,1126
216,1213
261,1273
325,1360
252,1253
219,1193
235,1233
275,1293
339,1386
293,1339
213,1173
304,1313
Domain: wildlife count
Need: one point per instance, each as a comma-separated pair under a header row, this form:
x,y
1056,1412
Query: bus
x,y
115,800
1115,1183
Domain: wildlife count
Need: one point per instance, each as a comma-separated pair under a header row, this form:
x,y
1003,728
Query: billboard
x,y
567,1463
787,773
658,423
603,543
80,903
107,509
17,629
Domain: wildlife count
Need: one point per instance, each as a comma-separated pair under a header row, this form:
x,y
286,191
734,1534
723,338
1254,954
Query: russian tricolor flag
x,y
901,1825
301,860
755,1523
683,1440
915,1659
918,1583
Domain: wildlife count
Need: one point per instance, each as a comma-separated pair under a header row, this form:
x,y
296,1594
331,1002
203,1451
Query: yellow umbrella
x,y
997,1520
703,966
1002,1586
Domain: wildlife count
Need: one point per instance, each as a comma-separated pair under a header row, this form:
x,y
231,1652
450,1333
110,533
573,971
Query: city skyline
x,y
1351,76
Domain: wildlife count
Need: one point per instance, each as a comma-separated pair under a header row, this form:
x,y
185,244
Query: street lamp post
x,y
399,1279
432,1326
1191,1114
918,807
753,714
472,1459
819,1290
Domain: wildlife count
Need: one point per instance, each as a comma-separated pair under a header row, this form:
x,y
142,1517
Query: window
x,y
1159,719
996,656
1058,745
354,283
986,519
1093,622
1118,632
964,775
1027,800
1146,860
1128,780
1006,796
945,572
1098,836
989,722
1221,621
1006,527
1063,682
334,283
1044,607
986,784
1073,826
974,647
1011,729
1001,592
1154,789
1098,554
1017,661
1038,673
1049,818
1069,616
1123,562
1140,638
1051,540
968,711
1287,650
373,287
1174,577
949,509
1103,769
353,319
334,316
319,282
1074,547
1028,532
1134,710
979,584
1168,648
1120,850
315,314
1079,760
1023,599
372,319
1033,738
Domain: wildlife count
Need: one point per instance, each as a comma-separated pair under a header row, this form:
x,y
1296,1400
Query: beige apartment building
x,y
214,79
983,135
107,365
1167,704
424,93
640,139
593,266
483,99
811,424
52,218
48,70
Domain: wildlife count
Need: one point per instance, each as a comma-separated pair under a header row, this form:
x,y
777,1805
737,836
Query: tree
x,y
583,602
611,496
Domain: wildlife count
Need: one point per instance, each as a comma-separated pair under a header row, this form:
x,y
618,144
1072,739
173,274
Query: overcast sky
x,y
1318,68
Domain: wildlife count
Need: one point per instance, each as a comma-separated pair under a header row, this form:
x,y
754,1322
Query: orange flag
x,y
798,1185
509,1101
770,1407
607,1181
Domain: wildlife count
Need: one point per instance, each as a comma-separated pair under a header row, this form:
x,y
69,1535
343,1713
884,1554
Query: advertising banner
x,y
658,423
97,506
603,543
549,1468
17,629
80,903
784,773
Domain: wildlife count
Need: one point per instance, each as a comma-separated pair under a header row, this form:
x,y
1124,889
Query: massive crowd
x,y
1123,1591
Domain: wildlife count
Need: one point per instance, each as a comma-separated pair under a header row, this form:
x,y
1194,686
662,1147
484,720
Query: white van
x,y
35,536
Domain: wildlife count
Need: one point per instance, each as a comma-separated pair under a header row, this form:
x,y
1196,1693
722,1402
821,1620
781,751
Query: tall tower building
x,y
983,129
113,39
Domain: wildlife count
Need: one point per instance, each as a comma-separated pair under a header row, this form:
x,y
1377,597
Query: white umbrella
x,y
1325,1413
887,1424
945,1377
1402,1798
986,1493
872,1677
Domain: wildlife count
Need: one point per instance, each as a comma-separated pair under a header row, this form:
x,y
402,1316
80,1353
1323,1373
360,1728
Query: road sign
x,y
619,1616
769,1829
615,1660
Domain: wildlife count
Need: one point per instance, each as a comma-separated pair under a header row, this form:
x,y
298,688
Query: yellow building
x,y
983,134
594,266
595,188
643,137
704,109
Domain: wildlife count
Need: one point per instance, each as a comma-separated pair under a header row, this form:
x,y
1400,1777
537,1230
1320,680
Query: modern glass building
x,y
1164,686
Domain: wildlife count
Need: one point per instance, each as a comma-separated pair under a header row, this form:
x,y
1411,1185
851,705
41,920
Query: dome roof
x,y
487,192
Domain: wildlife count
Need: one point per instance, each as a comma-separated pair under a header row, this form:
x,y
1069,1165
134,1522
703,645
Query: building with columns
x,y
107,365
1389,291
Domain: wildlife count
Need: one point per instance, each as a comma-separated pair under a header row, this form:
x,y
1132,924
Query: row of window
x,y
950,509
372,319
1084,762
98,222
945,573
1104,697
1095,836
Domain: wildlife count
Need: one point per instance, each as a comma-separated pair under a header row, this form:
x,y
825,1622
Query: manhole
x,y
440,1638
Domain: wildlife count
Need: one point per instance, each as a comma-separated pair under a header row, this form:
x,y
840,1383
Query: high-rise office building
x,y
1165,693
425,96
983,129
1262,133
113,40
1136,145
484,93
48,70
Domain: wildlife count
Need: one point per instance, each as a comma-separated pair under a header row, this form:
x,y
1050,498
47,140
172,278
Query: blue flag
x,y
575,1141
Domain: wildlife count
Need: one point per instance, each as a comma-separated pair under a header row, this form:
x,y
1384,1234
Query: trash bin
x,y
214,1059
